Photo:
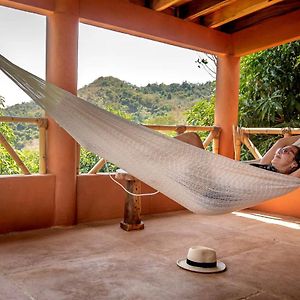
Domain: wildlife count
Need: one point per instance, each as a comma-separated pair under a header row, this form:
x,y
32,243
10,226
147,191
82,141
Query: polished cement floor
x,y
101,261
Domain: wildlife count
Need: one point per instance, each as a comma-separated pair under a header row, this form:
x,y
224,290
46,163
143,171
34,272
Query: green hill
x,y
154,103
144,102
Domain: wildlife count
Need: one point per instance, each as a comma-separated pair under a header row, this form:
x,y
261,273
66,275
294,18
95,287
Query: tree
x,y
270,87
270,91
7,164
201,114
209,63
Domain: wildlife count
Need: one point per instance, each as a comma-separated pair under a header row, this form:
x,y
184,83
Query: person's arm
x,y
296,173
282,142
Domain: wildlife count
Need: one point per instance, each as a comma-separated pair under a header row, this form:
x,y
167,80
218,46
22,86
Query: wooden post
x,y
42,150
98,166
13,154
286,132
43,124
180,129
237,142
254,151
132,208
214,135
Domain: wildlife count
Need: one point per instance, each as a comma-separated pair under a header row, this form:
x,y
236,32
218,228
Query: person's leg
x,y
191,138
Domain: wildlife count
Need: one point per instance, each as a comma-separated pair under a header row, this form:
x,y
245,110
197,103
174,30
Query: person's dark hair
x,y
297,156
297,160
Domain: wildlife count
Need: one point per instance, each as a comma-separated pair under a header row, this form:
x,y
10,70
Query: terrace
x,y
86,268
100,261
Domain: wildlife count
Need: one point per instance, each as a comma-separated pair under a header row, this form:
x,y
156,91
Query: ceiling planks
x,y
273,11
196,8
160,5
235,11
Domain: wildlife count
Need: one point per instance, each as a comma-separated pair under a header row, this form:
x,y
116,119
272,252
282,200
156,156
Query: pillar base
x,y
130,227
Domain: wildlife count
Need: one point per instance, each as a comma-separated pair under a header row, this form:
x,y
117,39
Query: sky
x,y
101,53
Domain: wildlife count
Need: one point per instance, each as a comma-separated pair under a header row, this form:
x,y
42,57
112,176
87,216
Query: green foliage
x,y
201,113
24,133
12,134
270,87
144,103
119,111
30,159
87,160
270,91
7,164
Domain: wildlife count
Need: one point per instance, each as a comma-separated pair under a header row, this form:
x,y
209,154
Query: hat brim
x,y
183,264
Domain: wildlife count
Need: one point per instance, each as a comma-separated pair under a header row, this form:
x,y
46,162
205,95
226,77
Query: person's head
x,y
287,159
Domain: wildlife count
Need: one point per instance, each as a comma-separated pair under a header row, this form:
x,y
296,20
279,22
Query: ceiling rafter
x,y
235,11
278,9
160,5
195,8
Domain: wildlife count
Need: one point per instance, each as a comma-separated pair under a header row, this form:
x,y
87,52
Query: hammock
x,y
201,181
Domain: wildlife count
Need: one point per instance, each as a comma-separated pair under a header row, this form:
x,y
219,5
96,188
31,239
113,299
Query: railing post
x,y
13,154
98,166
42,146
236,131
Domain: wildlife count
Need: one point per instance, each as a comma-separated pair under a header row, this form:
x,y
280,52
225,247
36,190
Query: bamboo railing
x,y
241,135
42,123
214,133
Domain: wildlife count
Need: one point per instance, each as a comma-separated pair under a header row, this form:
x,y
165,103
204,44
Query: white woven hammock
x,y
197,179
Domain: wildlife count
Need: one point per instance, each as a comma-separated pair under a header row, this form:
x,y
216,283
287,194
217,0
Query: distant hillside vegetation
x,y
144,102
154,103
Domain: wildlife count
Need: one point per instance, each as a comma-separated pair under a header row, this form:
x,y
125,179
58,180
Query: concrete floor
x,y
101,261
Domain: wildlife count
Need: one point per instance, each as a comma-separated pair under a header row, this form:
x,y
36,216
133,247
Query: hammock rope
x,y
201,181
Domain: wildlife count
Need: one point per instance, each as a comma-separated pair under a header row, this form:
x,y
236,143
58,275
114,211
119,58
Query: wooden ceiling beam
x,y
196,8
270,33
160,5
273,11
164,28
36,6
235,11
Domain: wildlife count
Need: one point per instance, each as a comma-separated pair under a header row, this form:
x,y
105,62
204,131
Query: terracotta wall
x,y
26,202
99,198
288,204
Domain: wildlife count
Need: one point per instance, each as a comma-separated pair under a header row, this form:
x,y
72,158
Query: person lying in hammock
x,y
283,157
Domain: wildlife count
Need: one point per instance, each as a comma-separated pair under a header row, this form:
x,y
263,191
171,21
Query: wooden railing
x,y
241,135
214,133
42,123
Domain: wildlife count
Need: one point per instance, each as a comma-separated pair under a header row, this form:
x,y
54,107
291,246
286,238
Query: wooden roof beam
x,y
196,8
36,6
274,32
235,11
164,28
160,5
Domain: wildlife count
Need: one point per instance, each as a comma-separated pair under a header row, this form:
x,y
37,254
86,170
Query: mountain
x,y
152,103
144,102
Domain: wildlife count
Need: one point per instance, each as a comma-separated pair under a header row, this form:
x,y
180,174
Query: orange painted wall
x,y
26,202
99,198
286,205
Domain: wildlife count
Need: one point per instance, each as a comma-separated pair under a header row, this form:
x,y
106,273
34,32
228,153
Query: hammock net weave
x,y
201,181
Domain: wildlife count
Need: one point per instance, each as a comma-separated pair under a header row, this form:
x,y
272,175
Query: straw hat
x,y
201,259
